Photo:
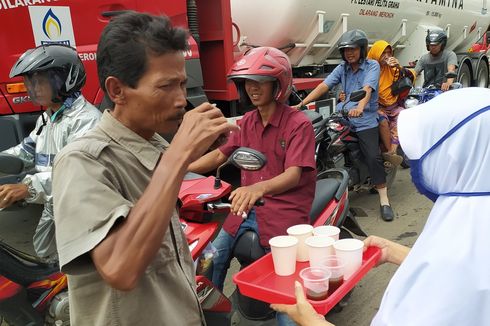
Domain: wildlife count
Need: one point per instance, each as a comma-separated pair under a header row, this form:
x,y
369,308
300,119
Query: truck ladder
x,y
318,29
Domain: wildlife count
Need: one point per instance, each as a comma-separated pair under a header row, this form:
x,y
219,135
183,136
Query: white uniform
x,y
445,279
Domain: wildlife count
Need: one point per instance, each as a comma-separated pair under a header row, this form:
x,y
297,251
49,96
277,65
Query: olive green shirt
x,y
96,181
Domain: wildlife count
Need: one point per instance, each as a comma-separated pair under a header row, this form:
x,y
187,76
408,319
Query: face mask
x,y
416,165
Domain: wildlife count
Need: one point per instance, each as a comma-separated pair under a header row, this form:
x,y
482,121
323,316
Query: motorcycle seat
x,y
247,248
324,193
21,271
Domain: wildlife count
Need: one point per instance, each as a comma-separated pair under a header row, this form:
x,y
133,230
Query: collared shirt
x,y
97,179
366,75
287,140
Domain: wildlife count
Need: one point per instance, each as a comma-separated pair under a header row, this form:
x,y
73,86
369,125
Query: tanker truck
x,y
307,30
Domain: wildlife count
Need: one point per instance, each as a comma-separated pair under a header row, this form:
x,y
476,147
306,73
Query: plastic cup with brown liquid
x,y
315,282
336,267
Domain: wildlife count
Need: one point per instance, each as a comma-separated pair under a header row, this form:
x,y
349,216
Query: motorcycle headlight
x,y
411,102
333,126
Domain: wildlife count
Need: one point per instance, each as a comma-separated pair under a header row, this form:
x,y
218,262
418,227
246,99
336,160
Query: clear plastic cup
x,y
336,266
301,232
330,230
319,248
283,249
350,251
315,282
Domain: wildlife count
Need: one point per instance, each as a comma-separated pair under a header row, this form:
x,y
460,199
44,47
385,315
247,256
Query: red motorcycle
x,y
36,293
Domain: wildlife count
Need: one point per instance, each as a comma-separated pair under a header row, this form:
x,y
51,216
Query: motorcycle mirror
x,y
451,74
355,96
243,158
358,95
10,164
248,159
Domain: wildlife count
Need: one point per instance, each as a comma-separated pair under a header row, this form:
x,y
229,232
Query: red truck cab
x,y
482,45
78,23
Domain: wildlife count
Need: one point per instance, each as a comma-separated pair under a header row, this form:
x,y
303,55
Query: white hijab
x,y
445,280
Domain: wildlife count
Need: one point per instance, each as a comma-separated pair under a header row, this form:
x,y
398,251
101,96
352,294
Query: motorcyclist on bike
x,y
353,73
390,102
438,61
263,78
53,75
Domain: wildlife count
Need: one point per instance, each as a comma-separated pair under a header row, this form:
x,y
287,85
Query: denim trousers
x,y
224,244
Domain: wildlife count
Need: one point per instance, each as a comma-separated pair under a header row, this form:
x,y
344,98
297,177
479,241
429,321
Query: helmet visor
x,y
350,46
41,87
257,78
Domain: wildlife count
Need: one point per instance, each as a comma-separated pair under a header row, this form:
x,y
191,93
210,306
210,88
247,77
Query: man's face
x,y
387,53
352,55
158,102
260,94
39,88
435,49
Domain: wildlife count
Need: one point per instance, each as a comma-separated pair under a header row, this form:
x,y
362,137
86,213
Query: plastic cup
x,y
350,251
315,282
319,248
330,230
301,232
283,249
335,265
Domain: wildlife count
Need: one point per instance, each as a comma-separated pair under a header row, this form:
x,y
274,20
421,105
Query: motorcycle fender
x,y
8,288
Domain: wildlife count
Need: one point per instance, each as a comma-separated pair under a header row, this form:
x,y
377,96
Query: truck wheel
x,y
482,74
464,75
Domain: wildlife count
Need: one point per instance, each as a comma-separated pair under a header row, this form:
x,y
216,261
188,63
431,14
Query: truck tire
x,y
464,75
482,74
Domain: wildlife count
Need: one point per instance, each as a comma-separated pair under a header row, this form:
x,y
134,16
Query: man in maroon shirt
x,y
287,182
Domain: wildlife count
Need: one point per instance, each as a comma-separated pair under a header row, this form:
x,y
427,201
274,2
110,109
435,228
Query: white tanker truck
x,y
308,30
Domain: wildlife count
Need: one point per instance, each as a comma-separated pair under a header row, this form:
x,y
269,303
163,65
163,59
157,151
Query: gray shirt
x,y
435,67
96,181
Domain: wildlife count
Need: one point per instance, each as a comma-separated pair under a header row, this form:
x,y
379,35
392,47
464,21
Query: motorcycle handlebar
x,y
219,205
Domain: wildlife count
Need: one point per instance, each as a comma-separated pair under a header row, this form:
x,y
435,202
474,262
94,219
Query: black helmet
x,y
436,37
353,39
60,59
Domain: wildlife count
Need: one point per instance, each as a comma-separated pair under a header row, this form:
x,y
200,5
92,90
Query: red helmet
x,y
263,64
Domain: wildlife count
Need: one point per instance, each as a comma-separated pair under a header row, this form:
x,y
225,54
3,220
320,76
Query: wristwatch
x,y
30,189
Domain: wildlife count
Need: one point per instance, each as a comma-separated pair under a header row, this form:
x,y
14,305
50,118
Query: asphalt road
x,y
411,211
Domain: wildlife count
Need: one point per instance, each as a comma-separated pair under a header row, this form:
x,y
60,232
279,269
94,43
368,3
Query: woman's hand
x,y
390,251
302,313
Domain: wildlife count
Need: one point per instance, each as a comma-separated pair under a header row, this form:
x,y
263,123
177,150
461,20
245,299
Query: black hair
x,y
128,40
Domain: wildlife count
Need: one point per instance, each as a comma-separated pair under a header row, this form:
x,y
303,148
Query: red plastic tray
x,y
258,281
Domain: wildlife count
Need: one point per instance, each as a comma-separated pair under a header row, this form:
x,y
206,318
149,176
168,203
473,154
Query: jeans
x,y
224,244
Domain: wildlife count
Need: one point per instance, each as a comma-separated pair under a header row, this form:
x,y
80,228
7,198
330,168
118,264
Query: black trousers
x,y
369,144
